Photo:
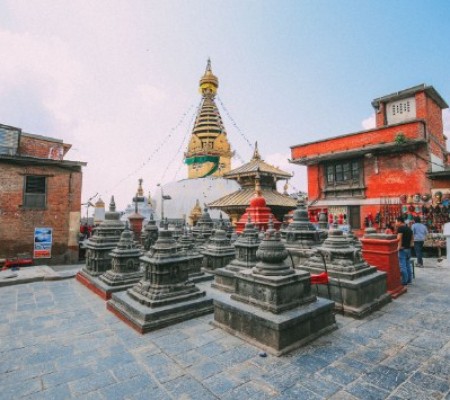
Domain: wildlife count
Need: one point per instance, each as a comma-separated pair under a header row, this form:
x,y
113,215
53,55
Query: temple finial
x,y
140,191
209,82
208,66
256,155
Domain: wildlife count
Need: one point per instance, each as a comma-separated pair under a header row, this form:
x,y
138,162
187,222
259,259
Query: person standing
x,y
420,233
405,242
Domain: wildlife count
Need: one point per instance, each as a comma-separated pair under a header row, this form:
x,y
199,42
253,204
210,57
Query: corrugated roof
x,y
257,165
243,196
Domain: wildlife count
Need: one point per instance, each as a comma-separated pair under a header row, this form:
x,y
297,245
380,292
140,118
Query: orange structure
x,y
364,177
381,251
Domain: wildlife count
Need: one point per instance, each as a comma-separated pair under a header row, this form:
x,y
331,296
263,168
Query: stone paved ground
x,y
57,341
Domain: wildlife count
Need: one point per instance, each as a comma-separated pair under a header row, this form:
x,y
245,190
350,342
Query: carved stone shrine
x,y
125,267
195,273
217,252
164,296
204,227
99,247
149,234
273,306
245,246
357,288
301,236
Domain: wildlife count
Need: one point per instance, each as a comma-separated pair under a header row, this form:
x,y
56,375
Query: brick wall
x,y
411,130
33,146
17,223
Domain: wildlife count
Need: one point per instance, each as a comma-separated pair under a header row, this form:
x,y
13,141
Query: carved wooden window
x,y
343,172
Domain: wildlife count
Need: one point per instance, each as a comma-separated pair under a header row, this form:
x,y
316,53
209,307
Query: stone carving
x,y
357,288
273,306
150,234
217,252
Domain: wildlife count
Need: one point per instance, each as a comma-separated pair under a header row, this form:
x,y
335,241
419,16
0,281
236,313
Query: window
x,y
35,192
343,172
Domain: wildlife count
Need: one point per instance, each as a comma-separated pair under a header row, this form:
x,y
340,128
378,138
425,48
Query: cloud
x,y
369,122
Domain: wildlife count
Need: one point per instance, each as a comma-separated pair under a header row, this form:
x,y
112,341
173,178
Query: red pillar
x,y
380,251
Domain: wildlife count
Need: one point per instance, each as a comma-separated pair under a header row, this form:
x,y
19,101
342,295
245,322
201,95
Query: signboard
x,y
43,238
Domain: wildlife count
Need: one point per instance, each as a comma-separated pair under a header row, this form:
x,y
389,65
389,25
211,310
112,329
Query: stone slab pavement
x,y
37,273
58,341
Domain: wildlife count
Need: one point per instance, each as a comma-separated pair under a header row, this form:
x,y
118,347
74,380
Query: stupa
x,y
145,205
245,246
125,267
195,273
273,306
217,252
208,157
301,236
149,234
204,227
357,288
164,296
99,247
258,212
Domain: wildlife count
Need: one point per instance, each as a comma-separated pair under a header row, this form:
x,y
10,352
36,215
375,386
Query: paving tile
x,y
321,387
66,376
340,374
385,377
205,369
186,387
54,393
365,391
222,383
311,364
299,392
150,394
91,383
431,382
20,389
128,388
250,391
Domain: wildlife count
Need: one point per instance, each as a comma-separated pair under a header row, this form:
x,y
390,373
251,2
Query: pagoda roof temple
x,y
234,204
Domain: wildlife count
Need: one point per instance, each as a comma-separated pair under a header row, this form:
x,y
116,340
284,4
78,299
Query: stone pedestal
x,y
218,252
357,288
301,236
273,307
99,247
380,250
164,296
245,246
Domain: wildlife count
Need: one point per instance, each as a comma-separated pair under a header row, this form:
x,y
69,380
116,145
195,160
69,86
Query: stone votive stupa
x,y
357,288
273,306
204,226
301,235
149,234
125,269
99,247
195,263
217,252
245,246
164,295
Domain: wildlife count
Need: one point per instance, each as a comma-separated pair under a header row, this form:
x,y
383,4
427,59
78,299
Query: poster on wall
x,y
43,238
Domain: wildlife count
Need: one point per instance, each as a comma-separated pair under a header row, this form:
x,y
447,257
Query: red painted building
x,y
40,198
374,174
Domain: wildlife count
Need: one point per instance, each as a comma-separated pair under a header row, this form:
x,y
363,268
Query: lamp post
x,y
163,198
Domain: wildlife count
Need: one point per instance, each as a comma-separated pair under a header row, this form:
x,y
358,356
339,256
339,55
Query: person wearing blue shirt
x,y
420,233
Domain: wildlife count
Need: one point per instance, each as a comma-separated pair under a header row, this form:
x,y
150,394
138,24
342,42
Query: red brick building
x,y
38,189
362,174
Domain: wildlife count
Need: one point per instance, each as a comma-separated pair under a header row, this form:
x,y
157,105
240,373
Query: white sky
x,y
116,78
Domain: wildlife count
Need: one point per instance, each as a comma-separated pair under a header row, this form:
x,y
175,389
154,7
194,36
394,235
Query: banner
x,y
43,238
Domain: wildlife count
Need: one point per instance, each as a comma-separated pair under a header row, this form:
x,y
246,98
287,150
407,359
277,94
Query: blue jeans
x,y
418,246
404,258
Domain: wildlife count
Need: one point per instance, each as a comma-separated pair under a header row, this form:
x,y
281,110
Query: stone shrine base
x,y
145,319
100,288
277,334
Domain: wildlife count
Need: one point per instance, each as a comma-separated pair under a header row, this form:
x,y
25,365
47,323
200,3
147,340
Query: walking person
x,y
405,242
420,233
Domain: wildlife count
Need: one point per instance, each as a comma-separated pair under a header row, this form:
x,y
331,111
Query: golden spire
x,y
209,82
